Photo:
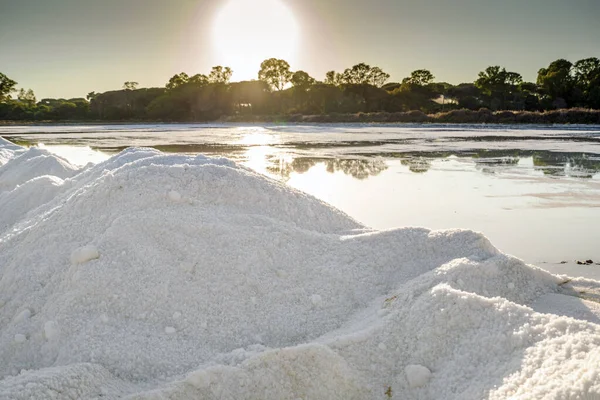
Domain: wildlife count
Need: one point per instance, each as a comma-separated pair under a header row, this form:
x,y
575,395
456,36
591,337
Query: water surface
x,y
534,191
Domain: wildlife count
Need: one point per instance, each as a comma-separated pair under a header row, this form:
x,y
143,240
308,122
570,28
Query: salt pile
x,y
155,276
8,150
33,163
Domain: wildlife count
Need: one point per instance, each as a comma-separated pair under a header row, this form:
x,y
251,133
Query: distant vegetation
x,y
564,92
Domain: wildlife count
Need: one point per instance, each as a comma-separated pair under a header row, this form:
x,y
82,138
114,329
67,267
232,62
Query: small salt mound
x,y
569,306
417,375
75,381
8,151
5,156
26,197
8,145
33,163
84,254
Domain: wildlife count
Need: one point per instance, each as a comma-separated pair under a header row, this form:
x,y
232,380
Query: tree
x,y
419,77
130,85
248,97
377,77
90,96
324,97
302,79
362,73
587,78
220,74
198,79
276,73
466,95
587,71
417,92
498,85
528,97
333,78
556,82
496,80
7,86
177,80
356,75
299,97
27,97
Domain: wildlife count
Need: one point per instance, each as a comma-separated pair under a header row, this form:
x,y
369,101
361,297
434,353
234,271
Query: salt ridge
x,y
169,276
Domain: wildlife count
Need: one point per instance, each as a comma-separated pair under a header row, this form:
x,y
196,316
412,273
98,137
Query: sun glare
x,y
245,33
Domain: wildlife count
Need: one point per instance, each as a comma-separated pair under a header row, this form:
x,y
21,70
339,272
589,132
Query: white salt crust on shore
x,y
152,276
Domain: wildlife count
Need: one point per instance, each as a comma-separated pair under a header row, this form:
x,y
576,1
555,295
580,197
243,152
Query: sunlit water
x,y
534,191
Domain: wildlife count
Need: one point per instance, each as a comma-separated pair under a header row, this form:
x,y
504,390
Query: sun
x,y
245,33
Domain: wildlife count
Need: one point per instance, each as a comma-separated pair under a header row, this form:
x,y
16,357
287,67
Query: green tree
x,y
27,97
276,73
528,97
220,74
377,77
498,85
302,82
419,77
129,87
198,79
302,79
362,74
333,78
586,73
466,95
557,83
324,98
249,97
7,86
177,80
417,92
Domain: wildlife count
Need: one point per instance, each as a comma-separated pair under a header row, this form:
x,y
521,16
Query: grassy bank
x,y
463,116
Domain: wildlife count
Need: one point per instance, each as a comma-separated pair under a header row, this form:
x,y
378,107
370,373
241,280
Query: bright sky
x,y
67,48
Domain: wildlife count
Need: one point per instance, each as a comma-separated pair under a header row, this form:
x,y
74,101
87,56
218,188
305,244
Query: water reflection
x,y
567,164
494,164
418,165
553,164
533,192
563,164
357,168
267,153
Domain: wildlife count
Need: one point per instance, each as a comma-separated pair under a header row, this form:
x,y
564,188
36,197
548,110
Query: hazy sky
x,y
67,48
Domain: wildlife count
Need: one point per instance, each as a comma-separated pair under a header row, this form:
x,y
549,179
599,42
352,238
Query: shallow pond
x,y
534,191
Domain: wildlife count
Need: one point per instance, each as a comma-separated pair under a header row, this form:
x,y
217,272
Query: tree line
x,y
281,91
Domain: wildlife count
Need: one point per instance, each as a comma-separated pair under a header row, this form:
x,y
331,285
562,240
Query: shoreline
x,y
454,117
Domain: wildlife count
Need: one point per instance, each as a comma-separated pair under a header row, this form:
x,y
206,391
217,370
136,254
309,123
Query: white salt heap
x,y
150,276
33,163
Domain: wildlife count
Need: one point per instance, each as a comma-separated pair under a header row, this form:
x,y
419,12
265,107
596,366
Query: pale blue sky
x,y
67,48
